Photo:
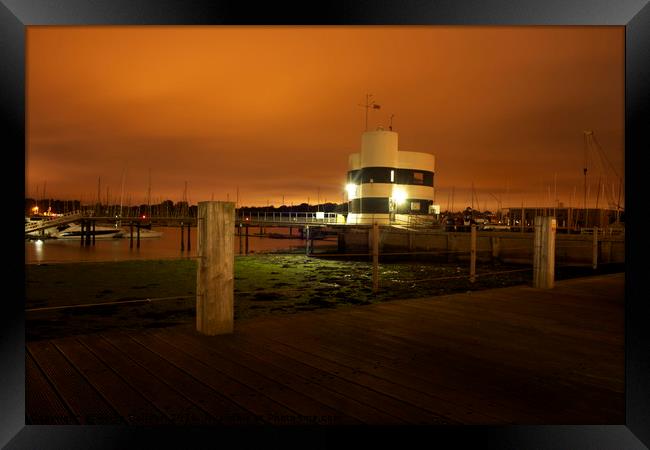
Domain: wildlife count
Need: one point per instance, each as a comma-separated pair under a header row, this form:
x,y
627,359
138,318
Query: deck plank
x,y
222,410
127,401
86,404
42,403
259,376
172,404
262,408
502,356
303,377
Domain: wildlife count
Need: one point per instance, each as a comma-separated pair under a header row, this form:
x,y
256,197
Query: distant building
x,y
567,218
388,185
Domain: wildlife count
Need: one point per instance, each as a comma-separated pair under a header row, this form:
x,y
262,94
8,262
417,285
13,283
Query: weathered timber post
x,y
375,257
138,235
247,239
496,247
82,232
215,272
93,233
131,236
182,237
88,232
544,256
241,239
189,243
307,236
340,241
594,251
472,255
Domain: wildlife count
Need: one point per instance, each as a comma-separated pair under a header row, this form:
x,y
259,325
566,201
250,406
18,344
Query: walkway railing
x,y
287,217
52,222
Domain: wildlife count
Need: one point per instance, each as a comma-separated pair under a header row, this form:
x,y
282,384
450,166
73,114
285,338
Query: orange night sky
x,y
274,111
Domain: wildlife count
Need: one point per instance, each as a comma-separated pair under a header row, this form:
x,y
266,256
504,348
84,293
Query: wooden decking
x,y
503,356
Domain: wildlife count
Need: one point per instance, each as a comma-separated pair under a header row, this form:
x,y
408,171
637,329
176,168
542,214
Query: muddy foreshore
x,y
160,293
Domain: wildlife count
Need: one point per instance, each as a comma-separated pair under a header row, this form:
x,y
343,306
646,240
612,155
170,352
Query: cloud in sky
x,y
274,110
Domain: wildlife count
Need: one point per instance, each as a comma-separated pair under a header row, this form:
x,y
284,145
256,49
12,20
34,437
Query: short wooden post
x,y
88,232
247,239
594,252
131,236
375,257
182,237
138,236
472,255
189,243
496,247
307,236
544,256
82,224
215,272
94,232
241,239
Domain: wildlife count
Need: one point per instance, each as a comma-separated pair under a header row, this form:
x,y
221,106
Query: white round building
x,y
388,186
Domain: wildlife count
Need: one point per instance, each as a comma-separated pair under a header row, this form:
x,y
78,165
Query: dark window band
x,y
381,205
382,175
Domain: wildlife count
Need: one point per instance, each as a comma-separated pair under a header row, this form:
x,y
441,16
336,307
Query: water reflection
x,y
166,246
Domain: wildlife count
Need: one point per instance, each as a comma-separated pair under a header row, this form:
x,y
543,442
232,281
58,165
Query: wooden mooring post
x,y
544,252
189,243
182,237
375,257
215,271
472,255
247,239
594,251
93,233
88,232
138,236
131,236
307,236
82,225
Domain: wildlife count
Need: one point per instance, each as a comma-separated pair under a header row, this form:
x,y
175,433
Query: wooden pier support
x,y
131,235
138,236
375,257
246,239
495,244
594,252
182,237
241,240
544,255
93,233
82,224
472,255
215,272
307,236
189,243
87,232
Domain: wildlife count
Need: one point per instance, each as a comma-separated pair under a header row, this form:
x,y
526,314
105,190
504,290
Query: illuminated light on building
x,y
351,189
388,185
399,196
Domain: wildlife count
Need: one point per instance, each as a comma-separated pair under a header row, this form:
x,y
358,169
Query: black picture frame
x,y
634,15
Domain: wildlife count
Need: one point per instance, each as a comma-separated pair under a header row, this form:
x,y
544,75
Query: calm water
x,y
167,246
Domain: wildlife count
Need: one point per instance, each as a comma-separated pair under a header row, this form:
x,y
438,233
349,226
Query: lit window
x,y
392,176
418,178
415,206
